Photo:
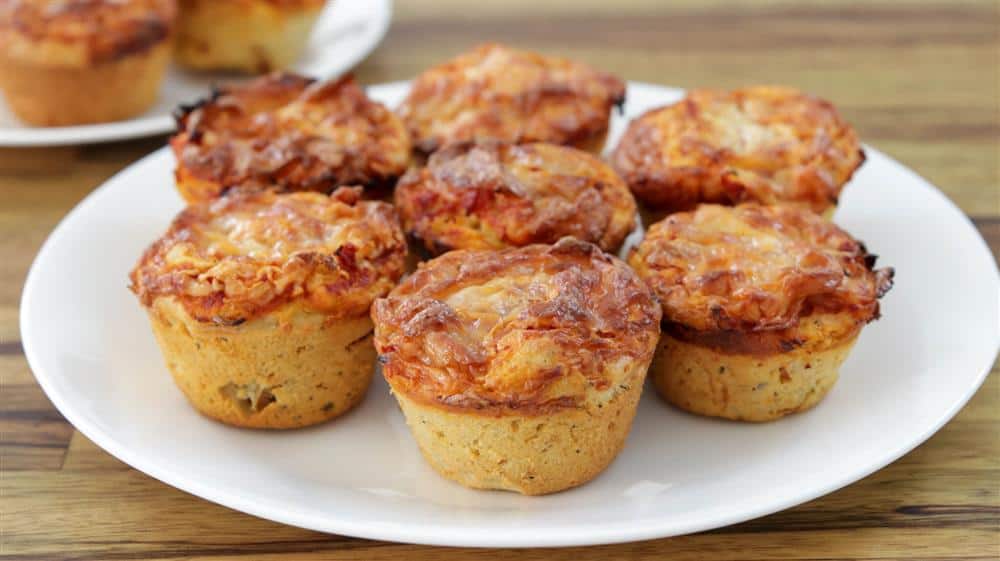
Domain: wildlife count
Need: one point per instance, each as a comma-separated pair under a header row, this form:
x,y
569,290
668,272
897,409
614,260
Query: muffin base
x,y
532,454
290,368
103,92
745,387
255,37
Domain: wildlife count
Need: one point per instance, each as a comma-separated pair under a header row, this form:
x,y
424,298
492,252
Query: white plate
x,y
346,31
90,347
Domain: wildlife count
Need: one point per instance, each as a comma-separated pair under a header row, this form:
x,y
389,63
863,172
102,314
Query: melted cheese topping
x,y
499,195
753,268
242,256
494,92
83,31
528,328
287,132
765,144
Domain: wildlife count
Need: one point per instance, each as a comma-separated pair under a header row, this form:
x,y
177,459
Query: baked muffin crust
x,y
495,195
236,258
760,144
249,36
495,92
530,330
289,133
746,277
83,32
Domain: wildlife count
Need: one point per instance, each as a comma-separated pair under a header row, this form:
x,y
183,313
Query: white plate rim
x,y
140,127
578,535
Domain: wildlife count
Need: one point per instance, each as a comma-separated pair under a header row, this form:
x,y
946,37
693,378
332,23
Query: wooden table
x,y
918,80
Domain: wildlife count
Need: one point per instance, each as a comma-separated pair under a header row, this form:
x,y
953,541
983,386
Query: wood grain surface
x,y
918,79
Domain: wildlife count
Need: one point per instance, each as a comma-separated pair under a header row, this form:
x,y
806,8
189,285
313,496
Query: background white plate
x,y
346,31
88,343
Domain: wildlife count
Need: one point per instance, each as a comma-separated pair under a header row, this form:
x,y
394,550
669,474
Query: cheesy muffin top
x,y
760,144
232,259
290,133
529,329
495,92
755,268
495,195
83,32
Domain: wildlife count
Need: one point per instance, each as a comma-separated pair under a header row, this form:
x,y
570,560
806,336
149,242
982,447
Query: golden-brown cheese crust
x,y
495,195
79,32
287,132
530,329
238,257
495,92
761,144
746,277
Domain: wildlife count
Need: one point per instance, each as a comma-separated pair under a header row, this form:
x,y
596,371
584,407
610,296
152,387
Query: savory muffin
x,y
289,133
260,302
252,36
495,194
70,62
495,92
761,305
761,144
519,369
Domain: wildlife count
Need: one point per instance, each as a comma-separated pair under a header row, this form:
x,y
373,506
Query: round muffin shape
x,y
260,302
761,305
110,54
761,144
497,93
252,36
519,369
495,195
288,133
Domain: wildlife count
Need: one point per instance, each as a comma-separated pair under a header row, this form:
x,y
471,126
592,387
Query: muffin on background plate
x,y
72,62
519,369
762,144
761,305
251,36
260,302
498,93
495,195
288,133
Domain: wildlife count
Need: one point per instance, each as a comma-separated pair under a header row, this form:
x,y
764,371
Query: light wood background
x,y
918,79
